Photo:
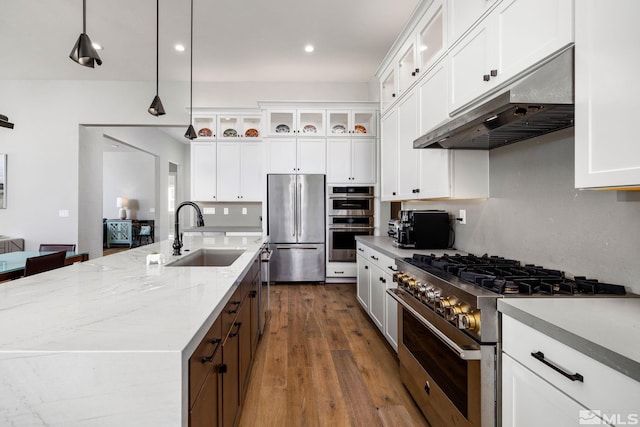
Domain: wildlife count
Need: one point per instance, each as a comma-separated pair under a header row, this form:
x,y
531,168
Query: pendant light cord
x,y
84,16
157,43
191,72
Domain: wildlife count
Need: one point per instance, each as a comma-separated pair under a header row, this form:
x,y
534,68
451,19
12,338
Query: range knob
x,y
470,320
411,284
421,288
451,313
444,302
398,277
433,295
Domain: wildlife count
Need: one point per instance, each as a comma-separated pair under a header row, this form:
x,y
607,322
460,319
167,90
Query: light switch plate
x,y
63,213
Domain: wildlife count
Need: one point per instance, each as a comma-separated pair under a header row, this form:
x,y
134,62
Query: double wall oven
x,y
350,214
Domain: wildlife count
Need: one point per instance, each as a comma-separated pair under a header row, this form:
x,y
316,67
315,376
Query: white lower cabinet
x,y
521,387
363,290
375,276
567,386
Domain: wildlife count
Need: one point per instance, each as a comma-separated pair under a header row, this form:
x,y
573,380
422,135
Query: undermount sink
x,y
208,258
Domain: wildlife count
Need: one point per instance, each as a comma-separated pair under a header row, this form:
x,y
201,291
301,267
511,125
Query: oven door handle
x,y
349,228
462,353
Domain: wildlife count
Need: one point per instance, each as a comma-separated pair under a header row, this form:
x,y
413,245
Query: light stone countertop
x,y
112,332
384,244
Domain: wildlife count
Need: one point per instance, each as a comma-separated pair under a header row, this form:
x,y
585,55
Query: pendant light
x,y
191,132
83,52
5,123
156,108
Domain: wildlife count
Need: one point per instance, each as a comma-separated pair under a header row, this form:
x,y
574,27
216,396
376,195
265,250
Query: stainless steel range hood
x,y
540,103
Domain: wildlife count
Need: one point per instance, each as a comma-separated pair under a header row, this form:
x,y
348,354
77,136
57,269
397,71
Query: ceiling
x,y
234,40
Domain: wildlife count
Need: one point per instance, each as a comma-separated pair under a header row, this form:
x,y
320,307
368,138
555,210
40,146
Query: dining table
x,y
12,263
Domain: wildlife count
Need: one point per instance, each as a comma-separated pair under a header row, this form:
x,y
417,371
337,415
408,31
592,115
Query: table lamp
x,y
122,203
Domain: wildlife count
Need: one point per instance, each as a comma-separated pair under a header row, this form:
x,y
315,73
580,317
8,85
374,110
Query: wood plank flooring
x,y
322,362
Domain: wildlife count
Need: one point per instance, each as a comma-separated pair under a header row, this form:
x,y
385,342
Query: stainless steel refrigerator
x,y
296,227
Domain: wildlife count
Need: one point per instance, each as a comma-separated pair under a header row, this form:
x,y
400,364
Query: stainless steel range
x,y
449,337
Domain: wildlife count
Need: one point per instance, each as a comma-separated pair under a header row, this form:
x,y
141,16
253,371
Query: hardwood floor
x,y
322,362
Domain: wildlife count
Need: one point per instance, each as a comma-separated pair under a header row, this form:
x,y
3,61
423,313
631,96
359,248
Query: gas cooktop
x,y
508,277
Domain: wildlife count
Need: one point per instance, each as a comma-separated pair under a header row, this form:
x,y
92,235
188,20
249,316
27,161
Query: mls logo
x,y
590,417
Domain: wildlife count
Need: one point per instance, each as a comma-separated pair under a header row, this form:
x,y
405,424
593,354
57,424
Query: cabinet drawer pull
x,y
361,250
573,377
494,73
486,77
235,310
375,258
390,267
339,272
208,359
237,325
366,267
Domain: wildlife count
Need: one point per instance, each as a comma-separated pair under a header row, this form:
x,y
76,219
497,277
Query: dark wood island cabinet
x,y
220,366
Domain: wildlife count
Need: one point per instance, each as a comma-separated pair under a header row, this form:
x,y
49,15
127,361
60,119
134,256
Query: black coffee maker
x,y
423,229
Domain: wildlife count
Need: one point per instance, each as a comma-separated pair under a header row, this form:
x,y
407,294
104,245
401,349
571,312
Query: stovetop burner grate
x,y
508,276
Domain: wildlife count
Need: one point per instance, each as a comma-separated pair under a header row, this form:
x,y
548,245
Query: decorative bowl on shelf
x,y
229,133
360,129
205,132
338,129
252,133
282,128
309,129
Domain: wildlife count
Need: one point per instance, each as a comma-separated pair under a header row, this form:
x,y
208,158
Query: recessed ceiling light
x,y
179,47
96,46
309,48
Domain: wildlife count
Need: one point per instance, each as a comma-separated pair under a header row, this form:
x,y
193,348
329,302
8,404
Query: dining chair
x,y
42,263
57,247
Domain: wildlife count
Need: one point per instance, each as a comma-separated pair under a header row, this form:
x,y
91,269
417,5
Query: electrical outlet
x,y
209,211
152,210
226,211
244,211
462,216
63,213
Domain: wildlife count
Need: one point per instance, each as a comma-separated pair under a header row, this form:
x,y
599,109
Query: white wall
x,y
129,174
536,215
44,148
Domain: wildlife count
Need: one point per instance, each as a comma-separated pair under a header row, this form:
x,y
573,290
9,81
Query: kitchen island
x,y
107,342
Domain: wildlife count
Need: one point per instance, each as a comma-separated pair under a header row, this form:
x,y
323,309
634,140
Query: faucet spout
x,y
177,241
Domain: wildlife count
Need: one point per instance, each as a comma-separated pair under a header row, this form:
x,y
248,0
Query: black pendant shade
x,y
83,52
191,132
156,108
4,122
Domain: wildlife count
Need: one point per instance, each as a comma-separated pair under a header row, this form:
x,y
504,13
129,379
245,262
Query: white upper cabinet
x,y
389,155
240,171
432,91
514,37
203,171
359,123
212,125
463,14
431,37
606,61
388,87
296,122
351,161
422,48
408,157
297,155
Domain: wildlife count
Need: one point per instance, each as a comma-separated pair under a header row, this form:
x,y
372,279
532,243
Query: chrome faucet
x,y
177,241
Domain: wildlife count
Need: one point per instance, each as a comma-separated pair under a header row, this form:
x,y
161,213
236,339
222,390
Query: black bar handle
x,y
237,304
207,359
573,377
237,324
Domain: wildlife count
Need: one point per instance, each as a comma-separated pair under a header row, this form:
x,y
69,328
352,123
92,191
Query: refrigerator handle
x,y
294,198
299,205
